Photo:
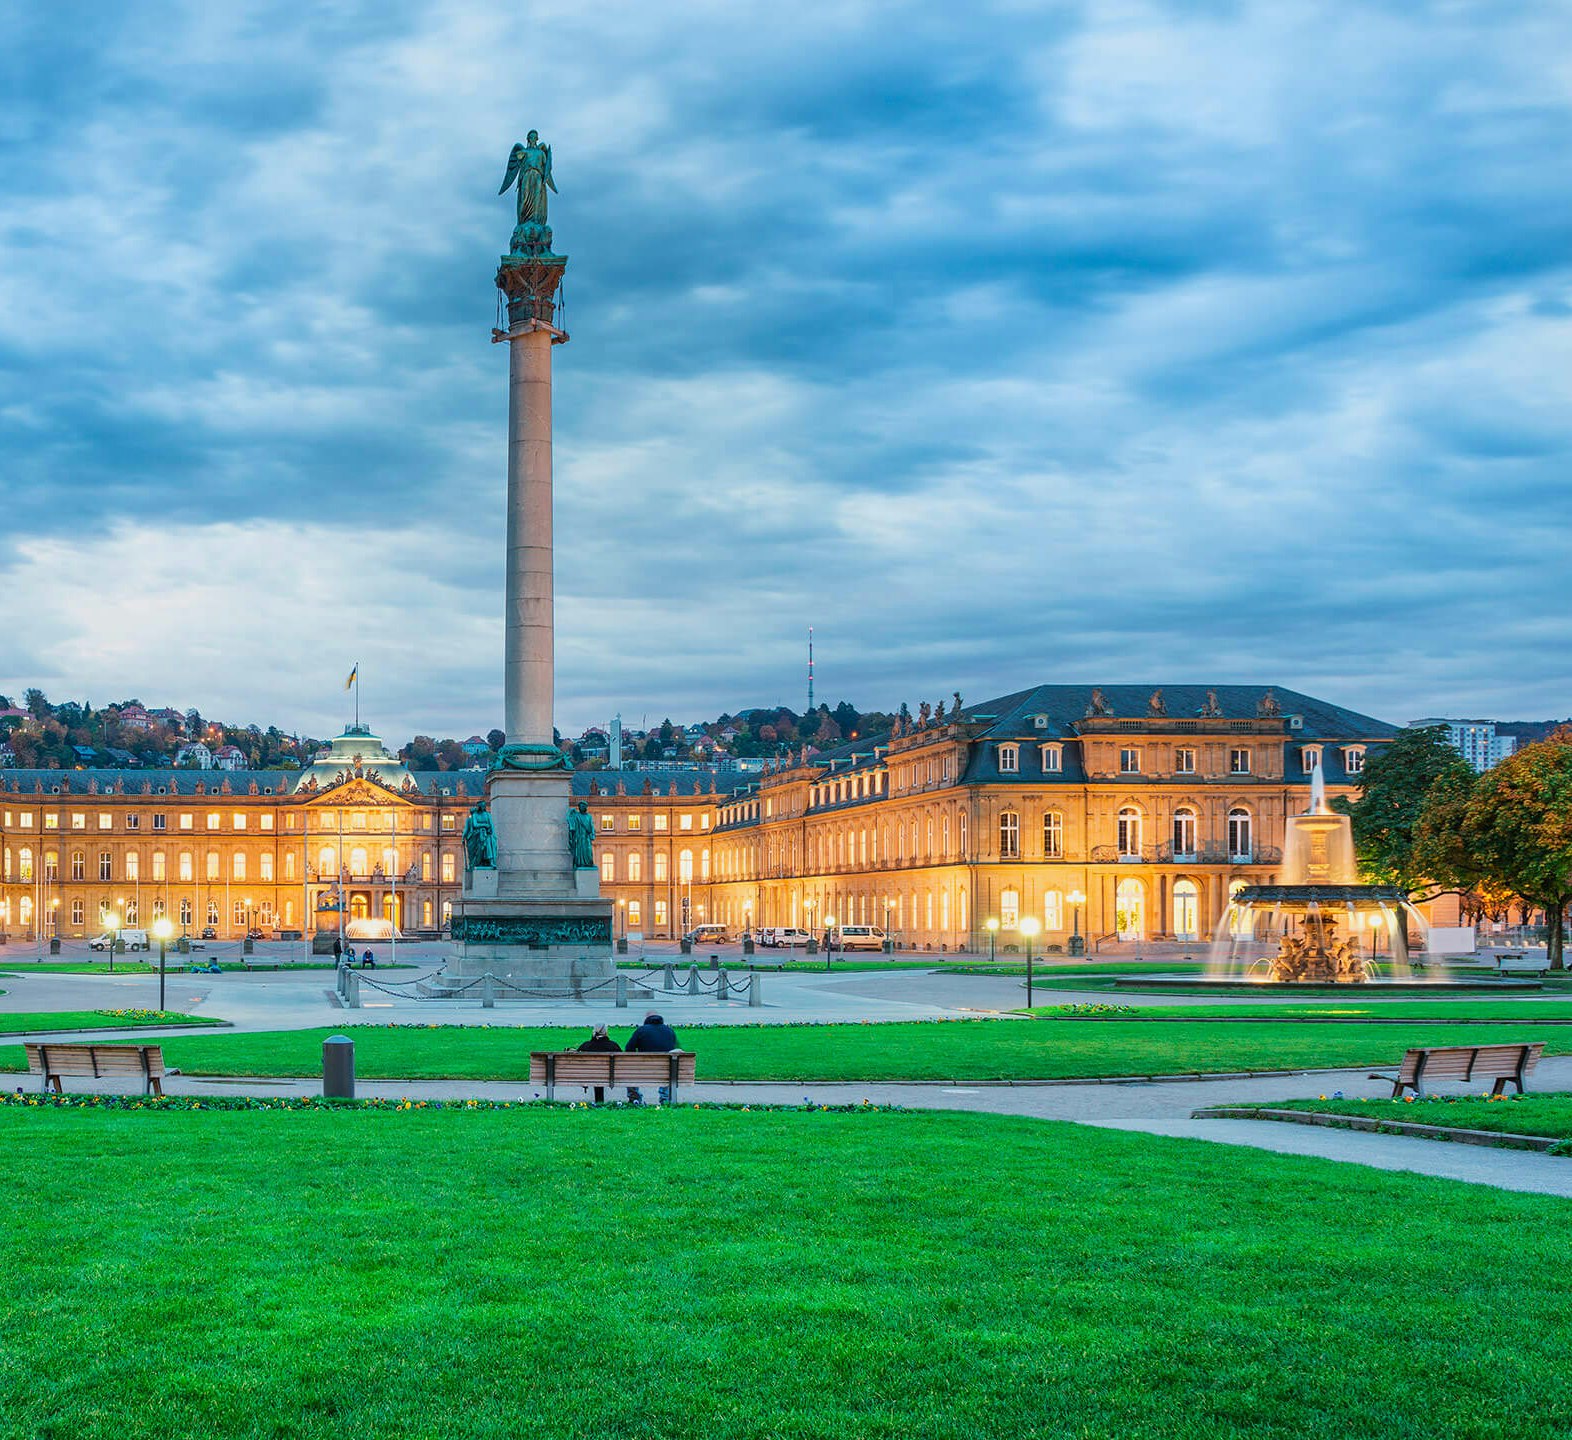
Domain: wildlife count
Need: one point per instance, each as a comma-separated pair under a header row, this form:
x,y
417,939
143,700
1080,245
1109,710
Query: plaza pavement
x,y
303,999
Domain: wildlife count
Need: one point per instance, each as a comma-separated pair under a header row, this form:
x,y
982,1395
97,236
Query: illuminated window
x,y
635,822
608,867
211,870
186,872
265,865
51,820
1009,836
425,866
660,822
447,822
635,866
133,865
608,822
106,821
685,867
327,862
159,863
214,820
51,865
359,866
265,822
635,913
289,864
685,822
238,862
25,860
447,868
239,820
1009,909
660,866
660,914
187,820
78,820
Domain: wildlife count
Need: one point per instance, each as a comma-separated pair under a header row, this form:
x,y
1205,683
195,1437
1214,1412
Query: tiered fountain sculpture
x,y
1319,925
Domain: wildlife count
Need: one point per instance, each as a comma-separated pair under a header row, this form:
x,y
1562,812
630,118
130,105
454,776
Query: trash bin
x,y
54,944
338,1068
686,946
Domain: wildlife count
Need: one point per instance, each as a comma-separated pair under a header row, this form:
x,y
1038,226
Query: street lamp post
x,y
1077,945
112,921
1029,927
163,929
992,926
889,929
829,944
808,907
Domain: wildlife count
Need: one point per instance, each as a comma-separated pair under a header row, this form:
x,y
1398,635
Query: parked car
x,y
209,933
706,935
131,939
859,937
778,936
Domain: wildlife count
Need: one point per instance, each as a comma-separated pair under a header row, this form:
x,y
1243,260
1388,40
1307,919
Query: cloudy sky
x,y
1100,343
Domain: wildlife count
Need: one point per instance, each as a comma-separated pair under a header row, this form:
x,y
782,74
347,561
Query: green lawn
x,y
954,1050
714,1275
1546,1114
37,1021
1463,1008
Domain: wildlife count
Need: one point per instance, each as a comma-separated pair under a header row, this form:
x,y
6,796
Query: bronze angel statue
x,y
529,166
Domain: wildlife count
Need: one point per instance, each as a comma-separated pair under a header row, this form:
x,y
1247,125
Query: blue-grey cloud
x,y
1187,341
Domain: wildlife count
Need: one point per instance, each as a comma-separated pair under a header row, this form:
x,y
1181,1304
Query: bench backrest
x,y
1468,1062
65,1059
609,1067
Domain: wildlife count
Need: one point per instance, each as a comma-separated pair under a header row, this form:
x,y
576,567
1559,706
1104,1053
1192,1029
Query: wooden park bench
x,y
52,1061
552,1068
1503,1064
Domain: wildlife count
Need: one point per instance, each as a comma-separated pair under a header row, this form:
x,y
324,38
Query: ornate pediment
x,y
348,788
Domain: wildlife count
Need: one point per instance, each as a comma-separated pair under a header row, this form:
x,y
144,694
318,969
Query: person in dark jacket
x,y
600,1040
655,1037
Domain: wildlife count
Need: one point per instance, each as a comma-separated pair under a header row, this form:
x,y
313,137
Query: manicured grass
x,y
1548,1114
713,1275
38,1021
1464,1007
954,1050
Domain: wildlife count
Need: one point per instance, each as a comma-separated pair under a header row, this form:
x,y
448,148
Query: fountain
x,y
1319,925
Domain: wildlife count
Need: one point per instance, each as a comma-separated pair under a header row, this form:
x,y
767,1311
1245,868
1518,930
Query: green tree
x,y
1393,790
1517,830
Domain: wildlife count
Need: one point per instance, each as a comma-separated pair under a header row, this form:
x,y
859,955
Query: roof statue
x,y
1211,710
938,713
1155,706
923,712
956,709
1268,708
529,167
896,728
1099,704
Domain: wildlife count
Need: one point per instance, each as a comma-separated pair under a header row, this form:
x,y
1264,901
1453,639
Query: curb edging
x,y
1496,1139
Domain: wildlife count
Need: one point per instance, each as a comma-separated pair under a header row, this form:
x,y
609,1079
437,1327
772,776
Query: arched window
x,y
185,911
685,867
78,865
389,862
327,862
1053,910
358,866
289,864
635,866
212,864
1053,837
1187,910
962,840
704,865
1010,837
158,865
1185,832
608,867
133,865
239,865
1239,849
1129,831
1010,908
186,872
25,860
660,866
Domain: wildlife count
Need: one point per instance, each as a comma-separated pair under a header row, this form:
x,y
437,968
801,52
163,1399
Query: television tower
x,y
810,669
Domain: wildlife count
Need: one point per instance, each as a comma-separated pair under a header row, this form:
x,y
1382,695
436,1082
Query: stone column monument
x,y
531,912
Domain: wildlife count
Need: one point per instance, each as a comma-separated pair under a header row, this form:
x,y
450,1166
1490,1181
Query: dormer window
x,y
1239,762
1354,759
1130,762
1009,759
1053,759
1310,758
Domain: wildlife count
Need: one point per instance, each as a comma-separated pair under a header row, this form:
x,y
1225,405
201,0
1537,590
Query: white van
x,y
706,935
131,939
779,936
859,937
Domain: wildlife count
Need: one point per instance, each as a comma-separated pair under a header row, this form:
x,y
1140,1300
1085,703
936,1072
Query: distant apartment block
x,y
1476,739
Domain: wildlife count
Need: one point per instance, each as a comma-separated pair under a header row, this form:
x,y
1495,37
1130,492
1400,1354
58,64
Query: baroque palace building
x,y
1154,804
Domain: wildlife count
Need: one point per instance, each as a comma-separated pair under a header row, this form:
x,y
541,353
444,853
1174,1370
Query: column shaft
x,y
527,685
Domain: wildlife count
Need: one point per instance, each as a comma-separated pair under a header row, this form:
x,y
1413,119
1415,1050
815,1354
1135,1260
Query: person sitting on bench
x,y
600,1040
654,1036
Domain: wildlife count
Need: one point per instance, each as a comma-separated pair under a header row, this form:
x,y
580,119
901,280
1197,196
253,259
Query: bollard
x,y
338,1068
693,979
622,992
755,999
670,976
721,988
351,989
488,992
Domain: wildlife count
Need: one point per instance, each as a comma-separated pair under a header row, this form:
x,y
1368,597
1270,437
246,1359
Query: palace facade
x,y
1128,811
